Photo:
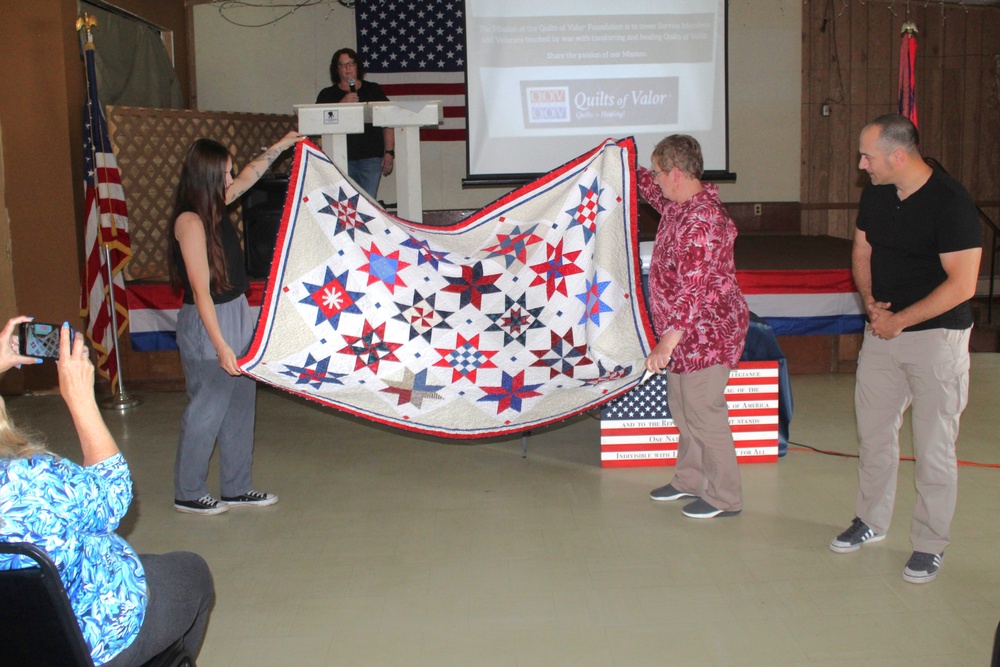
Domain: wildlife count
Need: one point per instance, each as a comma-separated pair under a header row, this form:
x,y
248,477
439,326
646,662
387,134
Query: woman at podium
x,y
370,155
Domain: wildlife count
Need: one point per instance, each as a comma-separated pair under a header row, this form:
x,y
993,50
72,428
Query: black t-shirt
x,y
907,238
370,143
235,267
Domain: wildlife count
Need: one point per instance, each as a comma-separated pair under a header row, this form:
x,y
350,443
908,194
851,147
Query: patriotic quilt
x,y
523,314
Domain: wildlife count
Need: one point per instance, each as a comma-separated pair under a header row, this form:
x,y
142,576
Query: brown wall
x,y
850,60
41,119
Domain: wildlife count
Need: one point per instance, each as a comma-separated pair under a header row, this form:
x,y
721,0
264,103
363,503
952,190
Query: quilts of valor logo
x,y
548,104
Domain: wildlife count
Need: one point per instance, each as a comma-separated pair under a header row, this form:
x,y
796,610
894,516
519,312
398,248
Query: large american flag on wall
x,y
415,50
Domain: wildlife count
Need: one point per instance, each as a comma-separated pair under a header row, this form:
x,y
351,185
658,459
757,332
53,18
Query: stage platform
x,y
825,353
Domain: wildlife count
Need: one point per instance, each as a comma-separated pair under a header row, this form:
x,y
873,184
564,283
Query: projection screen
x,y
550,79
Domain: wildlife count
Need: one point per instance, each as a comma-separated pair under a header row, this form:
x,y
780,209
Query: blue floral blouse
x,y
72,512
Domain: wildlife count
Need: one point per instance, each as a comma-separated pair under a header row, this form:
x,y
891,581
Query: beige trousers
x,y
706,455
928,370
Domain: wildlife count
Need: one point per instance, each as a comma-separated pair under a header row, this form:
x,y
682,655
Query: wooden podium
x,y
406,119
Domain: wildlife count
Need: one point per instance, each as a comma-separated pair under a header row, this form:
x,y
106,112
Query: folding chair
x,y
39,625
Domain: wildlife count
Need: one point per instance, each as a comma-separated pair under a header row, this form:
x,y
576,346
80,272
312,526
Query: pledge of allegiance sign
x,y
637,430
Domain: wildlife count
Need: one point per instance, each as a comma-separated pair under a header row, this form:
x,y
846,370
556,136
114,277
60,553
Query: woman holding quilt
x,y
214,327
700,318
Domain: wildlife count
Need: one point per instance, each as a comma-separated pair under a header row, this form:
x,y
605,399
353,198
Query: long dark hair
x,y
335,75
202,190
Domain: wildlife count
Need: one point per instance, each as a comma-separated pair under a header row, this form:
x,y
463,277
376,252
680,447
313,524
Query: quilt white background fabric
x,y
525,313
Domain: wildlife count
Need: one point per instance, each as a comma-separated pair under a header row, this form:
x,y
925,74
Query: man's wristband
x,y
392,153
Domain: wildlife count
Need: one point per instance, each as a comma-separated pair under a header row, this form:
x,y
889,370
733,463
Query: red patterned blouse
x,y
692,278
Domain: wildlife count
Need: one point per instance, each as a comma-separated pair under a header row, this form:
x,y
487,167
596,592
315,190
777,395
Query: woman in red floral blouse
x,y
700,318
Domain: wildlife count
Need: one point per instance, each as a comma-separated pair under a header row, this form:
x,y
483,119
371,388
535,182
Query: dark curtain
x,y
133,67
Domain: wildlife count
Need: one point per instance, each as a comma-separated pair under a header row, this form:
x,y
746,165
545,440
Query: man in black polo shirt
x,y
916,262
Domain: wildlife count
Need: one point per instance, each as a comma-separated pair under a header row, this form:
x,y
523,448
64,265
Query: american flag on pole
x,y
908,73
415,50
107,226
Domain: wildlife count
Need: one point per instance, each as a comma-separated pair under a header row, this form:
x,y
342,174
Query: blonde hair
x,y
14,442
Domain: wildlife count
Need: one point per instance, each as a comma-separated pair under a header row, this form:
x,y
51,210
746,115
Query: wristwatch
x,y
390,152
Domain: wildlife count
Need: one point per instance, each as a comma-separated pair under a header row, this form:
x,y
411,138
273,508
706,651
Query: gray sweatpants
x,y
221,407
179,596
930,370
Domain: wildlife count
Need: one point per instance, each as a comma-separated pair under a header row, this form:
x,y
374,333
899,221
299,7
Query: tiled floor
x,y
388,549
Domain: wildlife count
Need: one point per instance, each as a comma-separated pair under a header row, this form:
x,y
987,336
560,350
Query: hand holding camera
x,y
10,345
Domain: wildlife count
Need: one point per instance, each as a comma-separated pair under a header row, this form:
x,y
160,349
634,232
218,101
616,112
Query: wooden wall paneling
x,y
953,83
883,51
971,103
860,57
840,148
840,224
811,19
955,80
814,223
806,115
819,47
861,28
859,118
931,74
989,172
819,93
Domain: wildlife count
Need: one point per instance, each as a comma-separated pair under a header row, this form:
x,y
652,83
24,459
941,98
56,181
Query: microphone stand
x,y
119,400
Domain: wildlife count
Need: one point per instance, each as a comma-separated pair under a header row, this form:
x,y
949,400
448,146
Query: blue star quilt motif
x,y
525,313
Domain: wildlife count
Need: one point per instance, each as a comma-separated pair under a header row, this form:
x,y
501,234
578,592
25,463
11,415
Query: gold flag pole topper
x,y
88,23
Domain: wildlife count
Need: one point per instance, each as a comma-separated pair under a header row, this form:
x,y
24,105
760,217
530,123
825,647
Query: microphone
x,y
350,82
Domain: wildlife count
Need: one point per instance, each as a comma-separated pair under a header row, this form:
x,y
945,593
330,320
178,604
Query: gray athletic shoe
x,y
922,567
668,492
851,539
702,509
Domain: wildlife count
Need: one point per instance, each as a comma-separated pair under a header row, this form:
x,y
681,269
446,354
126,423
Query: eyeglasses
x,y
656,172
346,64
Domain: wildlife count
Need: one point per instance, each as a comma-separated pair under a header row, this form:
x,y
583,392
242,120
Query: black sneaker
x,y
851,539
922,567
205,505
251,499
702,509
668,492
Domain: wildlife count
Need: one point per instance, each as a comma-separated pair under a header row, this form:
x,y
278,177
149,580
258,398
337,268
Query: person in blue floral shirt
x,y
130,607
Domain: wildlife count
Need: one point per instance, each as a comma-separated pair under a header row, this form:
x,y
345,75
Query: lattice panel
x,y
150,145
